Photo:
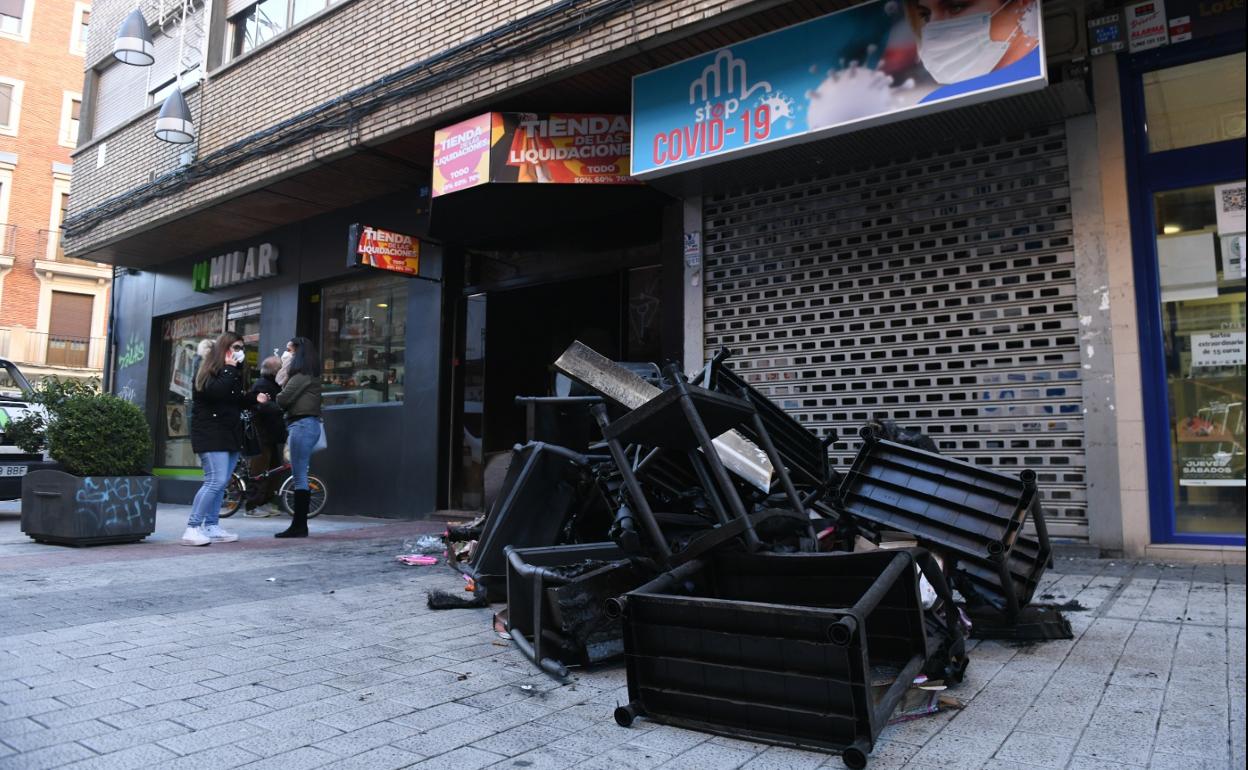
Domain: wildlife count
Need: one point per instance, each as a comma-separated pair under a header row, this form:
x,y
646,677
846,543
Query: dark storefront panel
x,y
373,464
938,291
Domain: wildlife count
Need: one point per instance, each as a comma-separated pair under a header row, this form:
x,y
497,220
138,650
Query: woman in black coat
x,y
217,434
271,432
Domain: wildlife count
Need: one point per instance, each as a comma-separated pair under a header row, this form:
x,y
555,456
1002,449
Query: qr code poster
x,y
1230,200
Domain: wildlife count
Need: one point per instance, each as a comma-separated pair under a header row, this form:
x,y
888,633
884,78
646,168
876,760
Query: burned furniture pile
x,y
698,531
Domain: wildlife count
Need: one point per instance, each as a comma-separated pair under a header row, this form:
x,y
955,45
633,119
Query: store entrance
x,y
509,342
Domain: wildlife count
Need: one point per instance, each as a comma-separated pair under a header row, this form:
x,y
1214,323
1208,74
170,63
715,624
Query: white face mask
x,y
239,356
962,48
286,356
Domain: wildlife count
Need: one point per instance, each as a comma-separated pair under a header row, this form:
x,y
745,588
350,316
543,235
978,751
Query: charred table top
x,y
663,422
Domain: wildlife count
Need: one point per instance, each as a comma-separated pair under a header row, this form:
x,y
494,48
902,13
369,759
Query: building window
x,y
15,18
71,111
60,207
363,340
69,329
10,105
8,232
190,77
267,19
78,33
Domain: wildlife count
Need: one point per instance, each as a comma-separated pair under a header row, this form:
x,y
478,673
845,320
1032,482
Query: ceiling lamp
x,y
133,44
174,123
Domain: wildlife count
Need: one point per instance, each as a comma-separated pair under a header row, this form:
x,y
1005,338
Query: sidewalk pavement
x,y
321,653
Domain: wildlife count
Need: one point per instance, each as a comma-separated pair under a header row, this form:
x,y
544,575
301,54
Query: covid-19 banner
x,y
874,63
526,147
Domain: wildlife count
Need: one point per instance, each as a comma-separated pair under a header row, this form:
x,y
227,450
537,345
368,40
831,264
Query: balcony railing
x,y
8,240
32,348
50,248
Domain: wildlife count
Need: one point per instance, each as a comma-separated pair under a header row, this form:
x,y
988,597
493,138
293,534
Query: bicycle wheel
x,y
318,495
235,493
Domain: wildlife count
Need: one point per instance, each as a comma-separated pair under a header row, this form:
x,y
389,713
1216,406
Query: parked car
x,y
14,404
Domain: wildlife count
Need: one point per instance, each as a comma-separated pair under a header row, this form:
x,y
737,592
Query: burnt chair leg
x,y
624,715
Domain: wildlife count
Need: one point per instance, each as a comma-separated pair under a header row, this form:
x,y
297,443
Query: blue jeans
x,y
206,507
302,435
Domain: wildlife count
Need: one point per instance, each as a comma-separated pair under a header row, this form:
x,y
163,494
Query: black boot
x,y
298,527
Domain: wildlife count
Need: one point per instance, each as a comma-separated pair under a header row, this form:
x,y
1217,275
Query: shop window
x,y
69,329
1202,274
179,359
1195,103
363,340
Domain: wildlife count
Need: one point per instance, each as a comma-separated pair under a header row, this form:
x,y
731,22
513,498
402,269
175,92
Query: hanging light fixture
x,y
174,124
133,44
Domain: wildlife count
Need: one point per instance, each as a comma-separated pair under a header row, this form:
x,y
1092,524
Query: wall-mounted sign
x,y
461,155
1106,34
873,63
208,323
527,147
383,249
1146,25
235,267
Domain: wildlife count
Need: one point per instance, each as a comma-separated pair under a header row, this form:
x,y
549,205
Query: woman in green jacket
x,y
300,399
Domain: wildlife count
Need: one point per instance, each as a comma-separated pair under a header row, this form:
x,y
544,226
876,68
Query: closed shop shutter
x,y
120,94
938,291
71,315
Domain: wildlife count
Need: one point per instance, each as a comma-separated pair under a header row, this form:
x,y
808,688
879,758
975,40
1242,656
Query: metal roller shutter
x,y
938,291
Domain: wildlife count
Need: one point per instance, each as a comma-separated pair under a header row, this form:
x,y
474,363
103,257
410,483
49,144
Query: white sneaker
x,y
218,535
195,536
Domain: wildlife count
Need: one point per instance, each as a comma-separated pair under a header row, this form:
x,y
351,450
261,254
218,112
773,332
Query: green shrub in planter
x,y
99,435
103,494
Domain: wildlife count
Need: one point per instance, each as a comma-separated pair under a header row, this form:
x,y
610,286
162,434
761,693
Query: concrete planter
x,y
87,510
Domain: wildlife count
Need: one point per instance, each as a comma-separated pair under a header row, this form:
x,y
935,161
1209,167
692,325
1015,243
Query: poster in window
x,y
183,370
176,423
1231,204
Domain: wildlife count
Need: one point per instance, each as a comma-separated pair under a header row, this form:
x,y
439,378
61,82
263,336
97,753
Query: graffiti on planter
x,y
134,353
117,502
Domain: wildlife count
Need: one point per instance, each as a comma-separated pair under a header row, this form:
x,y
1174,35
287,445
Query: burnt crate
x,y
781,648
973,516
556,598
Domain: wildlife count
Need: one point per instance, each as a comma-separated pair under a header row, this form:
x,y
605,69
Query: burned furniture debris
x,y
781,648
555,600
713,586
545,489
972,516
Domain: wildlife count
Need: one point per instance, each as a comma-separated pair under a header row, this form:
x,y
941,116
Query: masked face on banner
x,y
960,40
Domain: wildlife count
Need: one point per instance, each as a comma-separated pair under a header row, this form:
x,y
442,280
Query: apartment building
x,y
53,307
1011,234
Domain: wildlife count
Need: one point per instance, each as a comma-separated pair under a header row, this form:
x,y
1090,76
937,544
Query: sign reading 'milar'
x,y
235,267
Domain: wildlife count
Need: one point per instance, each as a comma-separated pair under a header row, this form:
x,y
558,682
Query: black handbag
x,y
251,437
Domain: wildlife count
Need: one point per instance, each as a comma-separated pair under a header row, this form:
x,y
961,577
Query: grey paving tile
x,y
520,739
45,758
304,758
367,738
436,716
1034,749
624,757
710,756
133,758
954,752
38,739
381,758
117,740
287,737
463,758
365,715
201,740
782,758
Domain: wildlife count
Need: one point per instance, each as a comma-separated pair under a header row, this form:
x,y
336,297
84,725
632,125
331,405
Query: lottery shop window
x,y
363,340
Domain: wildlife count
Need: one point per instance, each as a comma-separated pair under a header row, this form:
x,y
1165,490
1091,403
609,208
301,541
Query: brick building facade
x,y
53,309
312,117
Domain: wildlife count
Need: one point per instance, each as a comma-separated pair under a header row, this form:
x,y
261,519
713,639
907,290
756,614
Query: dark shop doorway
x,y
510,340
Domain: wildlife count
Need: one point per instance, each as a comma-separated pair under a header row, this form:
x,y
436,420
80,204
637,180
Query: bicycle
x,y
236,490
